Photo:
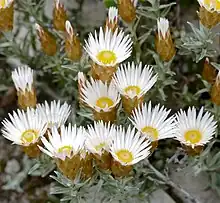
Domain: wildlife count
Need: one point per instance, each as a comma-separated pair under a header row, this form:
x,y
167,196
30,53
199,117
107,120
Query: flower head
x,y
5,3
163,27
99,137
24,128
67,143
54,114
128,147
99,96
134,81
108,49
195,130
210,5
23,78
153,122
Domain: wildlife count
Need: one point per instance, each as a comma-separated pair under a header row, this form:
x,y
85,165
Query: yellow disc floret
x,y
104,102
151,132
29,136
106,57
193,136
125,156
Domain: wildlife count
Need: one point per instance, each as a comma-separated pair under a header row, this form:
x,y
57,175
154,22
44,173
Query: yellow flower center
x,y
193,136
29,136
125,156
151,132
2,3
104,102
106,57
100,146
134,90
208,2
65,149
217,5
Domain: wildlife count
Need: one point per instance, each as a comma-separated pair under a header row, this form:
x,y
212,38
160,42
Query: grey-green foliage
x,y
199,43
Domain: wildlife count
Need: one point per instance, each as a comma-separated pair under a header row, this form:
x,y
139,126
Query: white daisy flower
x,y
99,137
128,147
108,49
134,81
5,3
210,5
67,143
112,14
23,78
99,96
153,122
24,128
54,114
163,27
195,130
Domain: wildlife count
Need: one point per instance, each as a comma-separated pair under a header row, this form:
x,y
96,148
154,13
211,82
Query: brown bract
x,y
73,47
119,170
127,10
165,46
27,99
109,116
103,73
209,73
48,41
59,17
207,18
130,104
7,18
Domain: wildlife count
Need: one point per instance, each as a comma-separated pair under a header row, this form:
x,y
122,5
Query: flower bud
x,y
6,15
215,92
47,40
112,20
59,16
127,10
163,43
209,72
72,44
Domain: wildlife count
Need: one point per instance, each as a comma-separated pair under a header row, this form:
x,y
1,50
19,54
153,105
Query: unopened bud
x,y
127,10
215,92
72,44
112,20
209,72
59,16
163,43
47,40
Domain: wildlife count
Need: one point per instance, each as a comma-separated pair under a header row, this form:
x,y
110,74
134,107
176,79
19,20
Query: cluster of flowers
x,y
113,148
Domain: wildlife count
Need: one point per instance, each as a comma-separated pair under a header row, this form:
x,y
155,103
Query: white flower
x,y
99,137
135,2
154,122
54,114
67,143
99,96
108,49
134,81
163,27
24,128
5,3
23,78
112,14
128,147
195,130
210,5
